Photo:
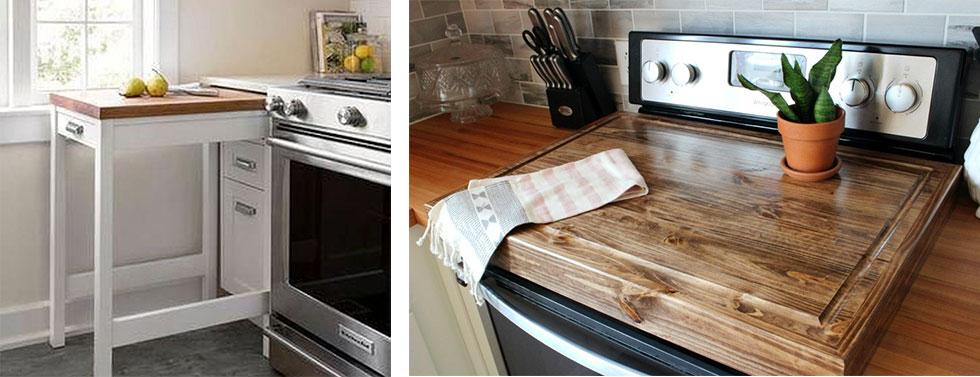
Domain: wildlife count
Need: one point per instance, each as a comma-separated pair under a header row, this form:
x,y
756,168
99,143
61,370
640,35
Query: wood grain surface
x,y
729,258
107,104
444,156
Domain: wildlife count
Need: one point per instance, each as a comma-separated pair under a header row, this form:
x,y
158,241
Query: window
x,y
73,45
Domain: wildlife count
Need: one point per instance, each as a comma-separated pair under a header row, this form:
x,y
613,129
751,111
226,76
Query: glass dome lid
x,y
462,79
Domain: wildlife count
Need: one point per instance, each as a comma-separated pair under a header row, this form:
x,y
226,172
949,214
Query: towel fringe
x,y
446,243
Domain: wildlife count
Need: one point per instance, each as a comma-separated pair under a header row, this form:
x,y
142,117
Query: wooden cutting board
x,y
730,258
107,104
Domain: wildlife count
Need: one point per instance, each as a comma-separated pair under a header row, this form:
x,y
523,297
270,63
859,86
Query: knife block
x,y
588,100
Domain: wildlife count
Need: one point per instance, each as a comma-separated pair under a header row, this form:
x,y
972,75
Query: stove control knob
x,y
855,92
273,104
654,71
683,74
350,116
901,98
295,108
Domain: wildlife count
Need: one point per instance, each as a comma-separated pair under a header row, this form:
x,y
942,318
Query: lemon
x,y
352,63
133,87
363,51
367,65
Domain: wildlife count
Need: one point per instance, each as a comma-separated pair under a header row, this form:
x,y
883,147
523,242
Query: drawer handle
x,y
245,209
245,164
74,128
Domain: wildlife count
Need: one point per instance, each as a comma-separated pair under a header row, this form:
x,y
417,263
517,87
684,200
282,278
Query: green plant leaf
x,y
776,99
823,72
824,109
801,91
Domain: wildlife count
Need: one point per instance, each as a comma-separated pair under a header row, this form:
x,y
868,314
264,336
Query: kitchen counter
x,y
933,332
108,104
257,84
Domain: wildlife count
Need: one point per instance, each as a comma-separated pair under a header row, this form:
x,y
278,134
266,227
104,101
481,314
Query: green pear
x,y
157,85
133,87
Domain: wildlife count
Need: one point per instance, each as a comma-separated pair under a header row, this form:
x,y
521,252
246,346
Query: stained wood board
x,y
728,257
108,104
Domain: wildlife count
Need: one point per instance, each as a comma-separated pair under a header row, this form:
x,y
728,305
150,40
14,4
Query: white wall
x,y
247,37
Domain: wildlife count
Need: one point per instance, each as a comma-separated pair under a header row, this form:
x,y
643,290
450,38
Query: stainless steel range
x,y
331,197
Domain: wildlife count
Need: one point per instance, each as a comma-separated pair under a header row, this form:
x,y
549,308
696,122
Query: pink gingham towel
x,y
466,227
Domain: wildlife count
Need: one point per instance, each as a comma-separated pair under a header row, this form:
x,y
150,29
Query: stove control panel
x,y
355,117
885,93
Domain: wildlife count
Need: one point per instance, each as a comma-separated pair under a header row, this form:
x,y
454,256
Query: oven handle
x,y
560,344
299,351
336,157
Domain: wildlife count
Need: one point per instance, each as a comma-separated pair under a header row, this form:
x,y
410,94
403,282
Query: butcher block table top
x,y
108,104
936,331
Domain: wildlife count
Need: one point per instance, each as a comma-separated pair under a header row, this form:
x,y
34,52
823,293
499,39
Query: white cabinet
x,y
245,217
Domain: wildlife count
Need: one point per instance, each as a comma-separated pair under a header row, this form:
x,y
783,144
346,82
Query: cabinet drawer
x,y
77,129
245,241
245,162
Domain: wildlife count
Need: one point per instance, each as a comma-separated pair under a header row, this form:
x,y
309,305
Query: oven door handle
x,y
335,157
560,344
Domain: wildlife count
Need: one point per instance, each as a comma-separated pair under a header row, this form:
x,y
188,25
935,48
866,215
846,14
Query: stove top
x,y
360,85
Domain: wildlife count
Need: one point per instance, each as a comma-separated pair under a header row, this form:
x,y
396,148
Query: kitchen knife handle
x,y
567,24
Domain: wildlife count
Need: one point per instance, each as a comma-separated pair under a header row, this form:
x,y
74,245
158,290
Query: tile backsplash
x,y
598,23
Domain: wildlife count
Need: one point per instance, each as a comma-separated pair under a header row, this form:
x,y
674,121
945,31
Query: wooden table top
x,y
444,156
926,337
108,104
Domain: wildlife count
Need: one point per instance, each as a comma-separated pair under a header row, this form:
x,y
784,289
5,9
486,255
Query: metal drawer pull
x,y
245,164
245,209
74,128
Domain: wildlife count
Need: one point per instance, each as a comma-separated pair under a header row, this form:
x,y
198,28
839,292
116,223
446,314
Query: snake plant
x,y
813,103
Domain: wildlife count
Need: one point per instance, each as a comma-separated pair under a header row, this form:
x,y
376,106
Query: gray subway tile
x,y
707,22
518,4
581,22
436,7
414,10
534,94
488,4
588,4
830,26
541,4
612,23
681,4
735,4
943,6
604,50
867,5
467,4
657,20
501,42
478,21
519,69
766,24
521,49
794,4
507,21
631,4
906,29
959,31
427,30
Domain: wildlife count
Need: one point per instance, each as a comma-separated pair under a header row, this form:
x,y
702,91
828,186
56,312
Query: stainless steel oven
x,y
331,245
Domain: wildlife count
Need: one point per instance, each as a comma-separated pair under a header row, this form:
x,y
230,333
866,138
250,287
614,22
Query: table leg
x,y
102,347
56,240
209,218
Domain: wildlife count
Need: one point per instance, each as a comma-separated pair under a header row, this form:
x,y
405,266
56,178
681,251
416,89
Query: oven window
x,y
340,242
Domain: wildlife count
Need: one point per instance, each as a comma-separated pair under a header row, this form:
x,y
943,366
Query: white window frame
x,y
4,51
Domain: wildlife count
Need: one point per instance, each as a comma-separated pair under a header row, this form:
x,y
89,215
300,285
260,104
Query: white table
x,y
106,137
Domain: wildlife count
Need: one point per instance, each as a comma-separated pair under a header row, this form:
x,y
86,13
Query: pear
x,y
157,85
133,87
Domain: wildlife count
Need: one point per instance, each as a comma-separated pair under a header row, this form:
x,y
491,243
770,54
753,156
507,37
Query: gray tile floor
x,y
233,349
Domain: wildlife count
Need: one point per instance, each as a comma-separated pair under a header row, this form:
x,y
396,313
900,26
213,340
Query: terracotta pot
x,y
811,147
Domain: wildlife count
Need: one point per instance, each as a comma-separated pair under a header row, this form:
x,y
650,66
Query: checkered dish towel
x,y
465,228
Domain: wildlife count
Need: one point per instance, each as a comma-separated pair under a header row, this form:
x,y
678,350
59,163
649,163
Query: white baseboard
x,y
27,324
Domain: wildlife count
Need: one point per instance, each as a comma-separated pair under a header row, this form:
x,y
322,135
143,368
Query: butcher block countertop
x,y
734,261
108,104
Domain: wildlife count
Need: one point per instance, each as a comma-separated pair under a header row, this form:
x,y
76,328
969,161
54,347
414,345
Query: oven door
x,y
331,237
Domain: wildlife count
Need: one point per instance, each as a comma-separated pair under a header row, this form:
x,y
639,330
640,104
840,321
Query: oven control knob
x,y
683,74
350,116
901,98
273,104
855,92
295,108
654,71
